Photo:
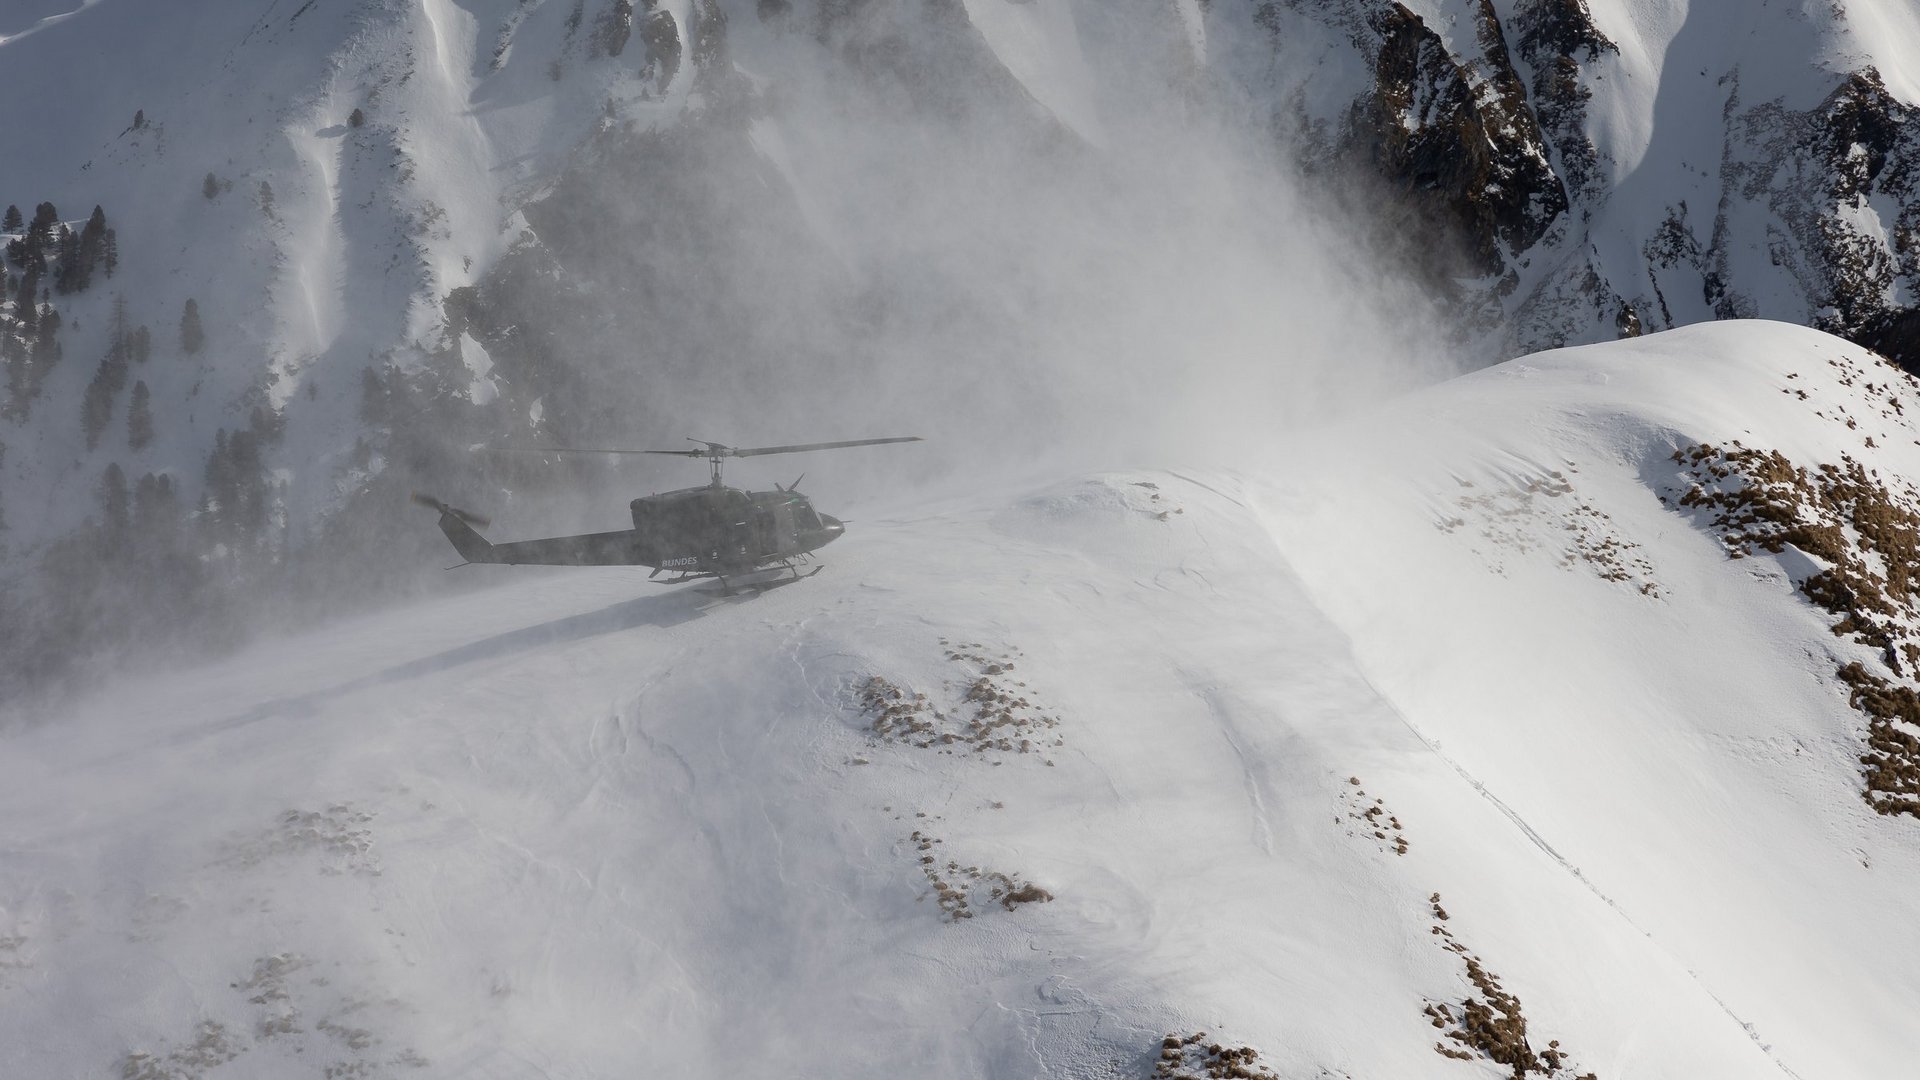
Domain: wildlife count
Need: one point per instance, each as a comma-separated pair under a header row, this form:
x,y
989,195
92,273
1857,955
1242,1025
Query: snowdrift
x,y
1462,746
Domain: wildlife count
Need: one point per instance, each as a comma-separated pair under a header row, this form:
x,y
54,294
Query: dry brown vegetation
x,y
1866,533
338,835
210,1048
284,992
1490,1023
1878,386
1892,758
954,885
1372,819
1541,512
988,711
1194,1058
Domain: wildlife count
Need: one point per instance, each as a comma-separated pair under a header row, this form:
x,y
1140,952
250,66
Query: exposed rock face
x,y
1481,129
1843,181
1456,135
1555,38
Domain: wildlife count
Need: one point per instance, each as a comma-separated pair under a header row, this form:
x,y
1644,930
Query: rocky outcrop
x,y
1554,37
1465,178
1472,135
1842,181
1457,137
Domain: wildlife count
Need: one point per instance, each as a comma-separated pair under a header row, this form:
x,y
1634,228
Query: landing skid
x,y
762,580
759,581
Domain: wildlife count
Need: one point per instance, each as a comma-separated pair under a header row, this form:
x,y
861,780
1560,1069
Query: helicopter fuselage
x,y
698,532
727,530
711,531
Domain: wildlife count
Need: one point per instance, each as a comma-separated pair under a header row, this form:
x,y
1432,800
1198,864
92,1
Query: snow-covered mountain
x,y
409,227
1613,166
1557,720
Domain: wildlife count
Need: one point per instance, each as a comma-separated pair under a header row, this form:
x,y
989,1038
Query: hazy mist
x,y
916,245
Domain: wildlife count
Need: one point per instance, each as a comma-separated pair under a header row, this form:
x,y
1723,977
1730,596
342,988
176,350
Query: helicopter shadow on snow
x,y
668,610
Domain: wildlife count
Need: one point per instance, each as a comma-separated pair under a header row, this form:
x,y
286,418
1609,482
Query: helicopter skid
x,y
761,580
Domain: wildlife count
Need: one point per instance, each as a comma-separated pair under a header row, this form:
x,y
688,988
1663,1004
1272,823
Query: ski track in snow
x,y
1533,837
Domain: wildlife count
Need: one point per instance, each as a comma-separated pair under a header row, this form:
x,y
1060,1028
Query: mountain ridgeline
x,y
376,238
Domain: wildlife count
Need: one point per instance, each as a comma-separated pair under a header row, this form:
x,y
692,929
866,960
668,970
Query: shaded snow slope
x,y
1284,749
323,246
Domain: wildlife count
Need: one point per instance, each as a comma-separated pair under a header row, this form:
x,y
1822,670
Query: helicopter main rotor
x,y
714,452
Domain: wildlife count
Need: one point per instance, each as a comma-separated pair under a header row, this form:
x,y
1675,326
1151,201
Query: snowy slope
x,y
895,154
466,108
571,826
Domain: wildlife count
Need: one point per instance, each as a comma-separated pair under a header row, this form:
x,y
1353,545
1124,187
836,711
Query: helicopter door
x,y
738,521
780,536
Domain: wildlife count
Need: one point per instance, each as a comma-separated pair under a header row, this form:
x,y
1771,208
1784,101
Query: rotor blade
x,y
588,450
436,505
756,451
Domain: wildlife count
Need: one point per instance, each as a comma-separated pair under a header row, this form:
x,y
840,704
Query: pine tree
x,y
250,487
139,119
266,198
218,479
13,353
210,187
153,502
93,239
96,405
23,307
110,252
191,336
67,273
12,222
140,345
96,409
356,118
45,217
139,418
114,505
119,336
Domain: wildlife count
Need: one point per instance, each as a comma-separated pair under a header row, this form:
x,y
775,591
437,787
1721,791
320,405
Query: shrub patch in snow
x,y
954,884
1864,532
1535,512
1374,818
992,713
1489,1024
283,989
1193,1058
338,834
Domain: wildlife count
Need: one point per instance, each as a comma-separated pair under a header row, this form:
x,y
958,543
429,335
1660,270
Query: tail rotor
x,y
443,509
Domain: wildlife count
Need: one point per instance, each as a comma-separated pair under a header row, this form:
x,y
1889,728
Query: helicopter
x,y
713,531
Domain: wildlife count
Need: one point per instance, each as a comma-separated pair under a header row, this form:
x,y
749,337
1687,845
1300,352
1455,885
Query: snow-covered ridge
x,y
1778,181
1448,716
331,181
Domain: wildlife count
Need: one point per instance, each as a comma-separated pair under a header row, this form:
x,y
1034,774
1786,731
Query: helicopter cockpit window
x,y
804,516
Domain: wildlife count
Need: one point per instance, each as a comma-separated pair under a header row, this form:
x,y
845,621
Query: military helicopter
x,y
713,531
